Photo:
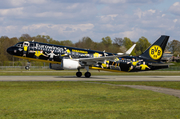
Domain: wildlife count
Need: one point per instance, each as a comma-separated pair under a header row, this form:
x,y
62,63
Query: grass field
x,y
66,100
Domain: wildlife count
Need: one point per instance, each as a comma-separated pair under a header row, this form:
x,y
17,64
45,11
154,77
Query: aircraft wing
x,y
105,58
101,58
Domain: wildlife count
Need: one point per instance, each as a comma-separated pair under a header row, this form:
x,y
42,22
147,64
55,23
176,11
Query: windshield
x,y
18,45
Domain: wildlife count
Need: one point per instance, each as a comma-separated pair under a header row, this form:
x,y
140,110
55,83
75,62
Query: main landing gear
x,y
87,74
78,74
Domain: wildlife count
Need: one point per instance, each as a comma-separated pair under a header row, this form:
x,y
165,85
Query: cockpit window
x,y
18,45
26,43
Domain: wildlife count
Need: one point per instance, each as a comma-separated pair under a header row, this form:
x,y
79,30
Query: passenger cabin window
x,y
32,45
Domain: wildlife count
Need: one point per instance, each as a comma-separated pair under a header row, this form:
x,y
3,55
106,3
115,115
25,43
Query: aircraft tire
x,y
87,74
27,67
78,74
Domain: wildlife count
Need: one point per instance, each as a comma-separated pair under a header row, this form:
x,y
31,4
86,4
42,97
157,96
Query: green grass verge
x,y
22,100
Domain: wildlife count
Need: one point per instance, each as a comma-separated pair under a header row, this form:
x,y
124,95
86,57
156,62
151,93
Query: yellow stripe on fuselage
x,y
97,68
40,60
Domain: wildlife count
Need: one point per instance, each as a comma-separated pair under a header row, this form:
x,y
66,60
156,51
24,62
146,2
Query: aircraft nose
x,y
10,50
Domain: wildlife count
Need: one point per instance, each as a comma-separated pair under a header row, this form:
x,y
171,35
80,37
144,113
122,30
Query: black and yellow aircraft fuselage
x,y
64,57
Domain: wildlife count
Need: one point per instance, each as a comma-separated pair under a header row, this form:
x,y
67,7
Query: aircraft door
x,y
31,46
25,48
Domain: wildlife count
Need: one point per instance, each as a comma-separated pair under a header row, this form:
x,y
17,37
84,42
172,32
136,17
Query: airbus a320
x,y
64,57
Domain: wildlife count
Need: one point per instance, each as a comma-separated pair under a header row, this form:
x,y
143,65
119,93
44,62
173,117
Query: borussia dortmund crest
x,y
155,52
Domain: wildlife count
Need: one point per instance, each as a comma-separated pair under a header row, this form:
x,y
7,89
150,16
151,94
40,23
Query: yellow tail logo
x,y
155,52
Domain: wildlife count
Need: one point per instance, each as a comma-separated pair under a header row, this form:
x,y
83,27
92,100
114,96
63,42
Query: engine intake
x,y
70,64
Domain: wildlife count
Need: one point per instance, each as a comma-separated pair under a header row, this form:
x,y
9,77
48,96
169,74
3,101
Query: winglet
x,y
130,50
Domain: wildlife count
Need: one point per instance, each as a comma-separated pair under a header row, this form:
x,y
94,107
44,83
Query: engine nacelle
x,y
55,66
70,64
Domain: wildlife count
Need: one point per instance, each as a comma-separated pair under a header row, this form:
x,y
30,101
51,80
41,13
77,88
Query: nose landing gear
x,y
28,65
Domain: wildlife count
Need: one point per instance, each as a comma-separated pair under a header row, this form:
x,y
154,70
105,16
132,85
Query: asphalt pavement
x,y
93,78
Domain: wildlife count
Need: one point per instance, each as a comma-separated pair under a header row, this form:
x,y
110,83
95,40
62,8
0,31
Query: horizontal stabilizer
x,y
160,64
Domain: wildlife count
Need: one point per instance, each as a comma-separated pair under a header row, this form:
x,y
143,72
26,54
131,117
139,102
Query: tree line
x,y
114,46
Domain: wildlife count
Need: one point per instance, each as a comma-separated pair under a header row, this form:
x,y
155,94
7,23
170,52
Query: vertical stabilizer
x,y
156,50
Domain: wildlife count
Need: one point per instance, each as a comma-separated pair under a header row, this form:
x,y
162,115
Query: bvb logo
x,y
155,52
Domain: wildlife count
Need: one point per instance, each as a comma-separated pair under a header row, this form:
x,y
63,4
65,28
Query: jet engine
x,y
70,64
55,66
65,64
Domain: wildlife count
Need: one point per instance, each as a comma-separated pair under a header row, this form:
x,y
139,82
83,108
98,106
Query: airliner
x,y
71,58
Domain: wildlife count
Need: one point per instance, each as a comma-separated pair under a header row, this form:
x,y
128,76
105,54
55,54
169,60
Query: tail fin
x,y
156,50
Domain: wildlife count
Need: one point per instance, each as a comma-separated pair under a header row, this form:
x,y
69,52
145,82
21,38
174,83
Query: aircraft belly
x,y
125,66
115,67
112,66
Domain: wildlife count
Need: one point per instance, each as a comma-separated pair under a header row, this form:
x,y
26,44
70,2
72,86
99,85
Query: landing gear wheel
x,y
78,74
87,74
27,67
